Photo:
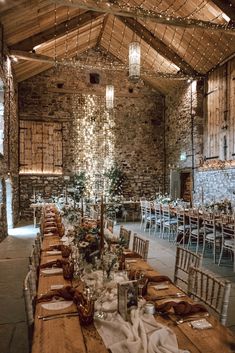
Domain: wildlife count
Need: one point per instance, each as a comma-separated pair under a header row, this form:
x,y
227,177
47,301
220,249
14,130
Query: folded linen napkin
x,y
68,267
65,250
180,308
133,274
142,335
55,263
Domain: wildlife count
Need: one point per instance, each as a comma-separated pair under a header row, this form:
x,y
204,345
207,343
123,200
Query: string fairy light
x,y
138,12
155,63
94,133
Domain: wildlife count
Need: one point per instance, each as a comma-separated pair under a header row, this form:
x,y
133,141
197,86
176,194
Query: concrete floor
x,y
14,252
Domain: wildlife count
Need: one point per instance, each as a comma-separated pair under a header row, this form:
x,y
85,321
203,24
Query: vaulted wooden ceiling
x,y
178,38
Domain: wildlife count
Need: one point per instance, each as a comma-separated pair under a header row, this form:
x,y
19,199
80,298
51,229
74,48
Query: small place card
x,y
160,286
201,324
56,286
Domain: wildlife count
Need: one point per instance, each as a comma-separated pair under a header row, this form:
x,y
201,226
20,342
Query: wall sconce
x,y
183,156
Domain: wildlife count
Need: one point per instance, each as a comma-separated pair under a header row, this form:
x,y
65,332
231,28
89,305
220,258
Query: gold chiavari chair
x,y
209,290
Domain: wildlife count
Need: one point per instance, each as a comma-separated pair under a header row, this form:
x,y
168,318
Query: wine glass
x,y
99,296
141,280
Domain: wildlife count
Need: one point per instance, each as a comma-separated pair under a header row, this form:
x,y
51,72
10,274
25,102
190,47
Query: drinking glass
x,y
141,283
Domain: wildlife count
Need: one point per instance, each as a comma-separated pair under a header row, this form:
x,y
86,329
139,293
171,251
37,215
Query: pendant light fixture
x,y
134,61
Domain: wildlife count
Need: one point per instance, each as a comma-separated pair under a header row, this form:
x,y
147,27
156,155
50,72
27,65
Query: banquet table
x,y
65,334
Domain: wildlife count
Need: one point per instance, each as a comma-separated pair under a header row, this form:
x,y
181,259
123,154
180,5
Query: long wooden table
x,y
65,335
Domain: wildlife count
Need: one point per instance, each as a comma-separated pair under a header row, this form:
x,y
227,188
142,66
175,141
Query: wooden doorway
x,y
185,186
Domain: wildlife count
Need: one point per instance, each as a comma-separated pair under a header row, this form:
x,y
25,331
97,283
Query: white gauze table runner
x,y
142,335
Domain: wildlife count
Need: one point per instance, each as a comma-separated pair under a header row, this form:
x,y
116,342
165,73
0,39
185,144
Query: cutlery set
x,y
169,296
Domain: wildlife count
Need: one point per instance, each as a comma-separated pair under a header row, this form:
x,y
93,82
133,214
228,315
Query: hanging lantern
x,y
109,96
134,61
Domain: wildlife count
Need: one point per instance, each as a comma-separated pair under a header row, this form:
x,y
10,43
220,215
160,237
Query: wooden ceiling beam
x,y
102,30
56,32
25,55
158,45
144,14
50,60
228,7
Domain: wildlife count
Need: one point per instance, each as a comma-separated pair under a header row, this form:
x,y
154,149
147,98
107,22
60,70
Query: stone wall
x,y
9,160
215,185
213,179
184,127
94,138
44,186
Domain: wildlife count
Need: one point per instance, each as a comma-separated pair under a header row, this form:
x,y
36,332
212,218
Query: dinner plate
x,y
131,261
52,271
48,235
58,305
53,252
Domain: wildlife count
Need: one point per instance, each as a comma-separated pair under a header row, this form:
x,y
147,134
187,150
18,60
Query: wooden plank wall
x,y
40,147
232,105
220,140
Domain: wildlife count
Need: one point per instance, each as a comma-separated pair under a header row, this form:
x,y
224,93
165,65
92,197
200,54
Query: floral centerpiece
x,y
223,206
87,238
164,199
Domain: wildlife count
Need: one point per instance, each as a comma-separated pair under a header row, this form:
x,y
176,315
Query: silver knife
x,y
170,296
61,315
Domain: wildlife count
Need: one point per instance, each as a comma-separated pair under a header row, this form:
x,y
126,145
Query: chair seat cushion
x,y
150,217
229,243
211,236
186,226
196,232
170,221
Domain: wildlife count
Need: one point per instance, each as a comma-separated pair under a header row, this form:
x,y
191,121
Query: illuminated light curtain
x,y
134,61
109,96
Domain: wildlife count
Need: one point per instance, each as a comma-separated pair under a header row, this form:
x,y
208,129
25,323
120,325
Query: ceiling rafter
x,y
24,55
56,32
42,62
102,29
108,7
158,45
228,7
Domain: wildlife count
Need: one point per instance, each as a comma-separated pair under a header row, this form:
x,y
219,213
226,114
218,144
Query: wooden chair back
x,y
34,257
140,246
125,235
143,204
183,260
194,221
209,290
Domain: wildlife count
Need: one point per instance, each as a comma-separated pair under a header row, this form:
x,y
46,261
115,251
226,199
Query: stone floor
x,y
14,252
